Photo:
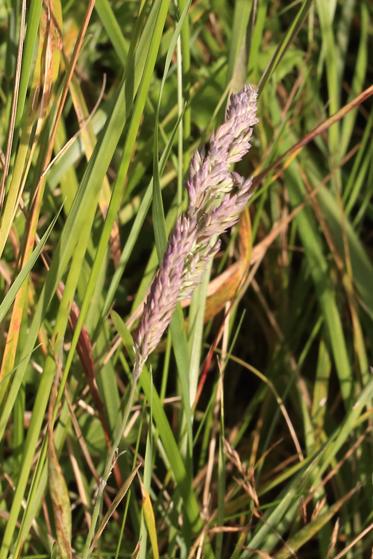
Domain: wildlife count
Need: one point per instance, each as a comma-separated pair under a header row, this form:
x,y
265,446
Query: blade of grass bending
x,y
117,189
283,45
89,140
113,29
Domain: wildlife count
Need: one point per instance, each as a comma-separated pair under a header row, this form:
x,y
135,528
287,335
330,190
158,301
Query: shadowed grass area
x,y
249,433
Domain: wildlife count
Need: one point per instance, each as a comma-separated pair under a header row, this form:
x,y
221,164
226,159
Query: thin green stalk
x,y
180,147
185,59
107,471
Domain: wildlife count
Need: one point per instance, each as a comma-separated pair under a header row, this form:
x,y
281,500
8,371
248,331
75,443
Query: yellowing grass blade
x,y
149,520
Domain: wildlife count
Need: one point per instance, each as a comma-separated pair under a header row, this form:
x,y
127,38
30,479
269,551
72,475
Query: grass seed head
x,y
217,197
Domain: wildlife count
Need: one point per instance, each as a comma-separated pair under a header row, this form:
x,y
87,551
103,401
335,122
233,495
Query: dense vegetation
x,y
249,433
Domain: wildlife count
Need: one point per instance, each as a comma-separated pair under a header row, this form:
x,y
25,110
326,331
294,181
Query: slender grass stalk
x,y
118,435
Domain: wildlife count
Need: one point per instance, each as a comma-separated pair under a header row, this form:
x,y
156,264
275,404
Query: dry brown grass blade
x,y
286,158
83,494
118,499
362,534
57,485
247,481
333,539
85,352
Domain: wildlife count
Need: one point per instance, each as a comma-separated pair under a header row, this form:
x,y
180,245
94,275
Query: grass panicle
x,y
217,196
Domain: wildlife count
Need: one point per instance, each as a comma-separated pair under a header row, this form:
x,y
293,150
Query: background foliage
x,y
249,434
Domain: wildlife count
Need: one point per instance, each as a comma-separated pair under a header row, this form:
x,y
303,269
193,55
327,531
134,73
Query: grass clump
x,y
248,433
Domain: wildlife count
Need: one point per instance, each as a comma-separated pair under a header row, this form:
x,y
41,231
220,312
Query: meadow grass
x,y
249,432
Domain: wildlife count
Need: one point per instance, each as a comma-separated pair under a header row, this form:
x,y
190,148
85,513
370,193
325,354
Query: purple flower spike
x,y
217,197
164,291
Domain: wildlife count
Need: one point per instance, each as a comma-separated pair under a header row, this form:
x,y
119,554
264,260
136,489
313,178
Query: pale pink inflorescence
x,y
217,196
